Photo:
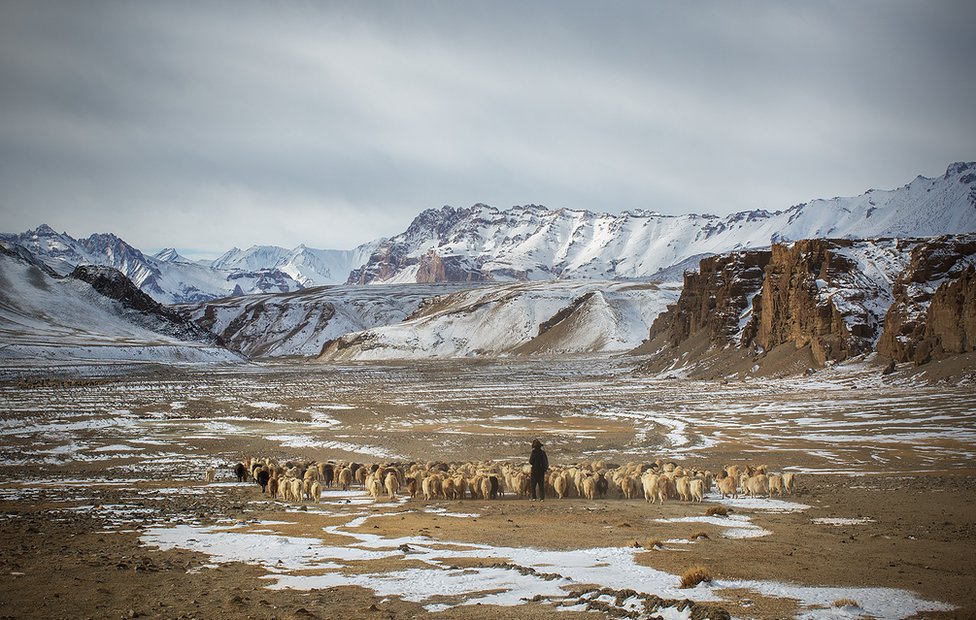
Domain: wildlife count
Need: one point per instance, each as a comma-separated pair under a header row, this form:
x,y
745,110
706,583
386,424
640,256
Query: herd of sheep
x,y
657,481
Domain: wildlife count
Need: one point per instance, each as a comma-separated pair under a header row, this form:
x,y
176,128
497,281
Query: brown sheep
x,y
727,486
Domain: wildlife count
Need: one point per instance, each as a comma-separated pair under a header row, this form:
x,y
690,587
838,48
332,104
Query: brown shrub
x,y
694,576
845,602
721,511
698,535
654,543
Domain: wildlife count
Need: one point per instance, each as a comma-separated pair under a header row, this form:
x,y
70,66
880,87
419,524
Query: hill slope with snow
x,y
535,243
522,318
44,318
172,279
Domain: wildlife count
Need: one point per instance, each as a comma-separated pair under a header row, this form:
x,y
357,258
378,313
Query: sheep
x,y
345,478
460,485
663,488
683,489
315,492
360,475
261,476
560,485
589,487
449,488
789,483
392,484
756,485
602,486
273,486
240,471
775,484
373,486
295,489
210,475
431,487
649,484
628,487
727,486
327,474
697,489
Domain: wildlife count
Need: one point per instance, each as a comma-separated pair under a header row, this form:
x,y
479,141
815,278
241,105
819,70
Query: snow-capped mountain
x,y
173,279
305,265
96,315
535,243
410,321
302,323
517,318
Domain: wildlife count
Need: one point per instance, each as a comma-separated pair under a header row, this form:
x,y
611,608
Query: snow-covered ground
x,y
499,320
146,427
45,320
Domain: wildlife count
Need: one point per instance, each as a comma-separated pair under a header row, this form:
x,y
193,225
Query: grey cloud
x,y
334,123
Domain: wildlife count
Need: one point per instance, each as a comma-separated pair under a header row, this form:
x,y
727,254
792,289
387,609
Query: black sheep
x,y
240,471
262,477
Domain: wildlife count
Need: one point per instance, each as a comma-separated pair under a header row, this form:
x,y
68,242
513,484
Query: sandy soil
x,y
73,520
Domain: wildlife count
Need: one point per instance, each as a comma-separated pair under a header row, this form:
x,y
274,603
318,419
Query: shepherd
x,y
540,465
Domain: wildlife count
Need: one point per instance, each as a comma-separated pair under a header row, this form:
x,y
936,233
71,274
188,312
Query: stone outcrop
x,y
827,300
934,312
435,268
143,309
790,309
714,298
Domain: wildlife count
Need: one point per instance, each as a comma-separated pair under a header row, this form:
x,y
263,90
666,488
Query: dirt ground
x,y
921,537
72,528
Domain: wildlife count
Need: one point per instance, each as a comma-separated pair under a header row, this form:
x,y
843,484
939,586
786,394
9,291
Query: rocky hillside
x,y
99,315
519,318
534,243
934,309
172,279
815,302
301,323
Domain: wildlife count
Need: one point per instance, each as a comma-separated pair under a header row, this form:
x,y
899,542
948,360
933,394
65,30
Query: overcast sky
x,y
205,125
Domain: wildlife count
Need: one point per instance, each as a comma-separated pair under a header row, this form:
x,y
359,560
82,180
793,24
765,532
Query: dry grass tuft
x,y
845,602
720,511
694,576
699,536
654,543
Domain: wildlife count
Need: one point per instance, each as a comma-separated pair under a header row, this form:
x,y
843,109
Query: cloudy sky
x,y
205,125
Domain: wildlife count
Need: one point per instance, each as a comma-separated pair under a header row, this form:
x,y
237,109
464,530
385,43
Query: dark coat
x,y
539,461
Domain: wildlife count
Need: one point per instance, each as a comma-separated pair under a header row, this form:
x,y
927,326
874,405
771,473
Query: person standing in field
x,y
540,465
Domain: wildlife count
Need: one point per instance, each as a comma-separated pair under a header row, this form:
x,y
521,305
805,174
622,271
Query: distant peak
x,y
169,255
959,167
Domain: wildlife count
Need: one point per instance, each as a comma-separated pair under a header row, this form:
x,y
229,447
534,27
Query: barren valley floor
x,y
105,512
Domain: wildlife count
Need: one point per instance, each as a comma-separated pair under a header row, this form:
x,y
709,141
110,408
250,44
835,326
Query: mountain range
x,y
523,243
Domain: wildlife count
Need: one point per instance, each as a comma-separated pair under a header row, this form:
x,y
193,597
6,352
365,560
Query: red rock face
x,y
934,312
809,293
789,308
714,298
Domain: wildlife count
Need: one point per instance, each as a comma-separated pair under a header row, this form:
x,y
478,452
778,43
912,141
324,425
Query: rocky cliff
x,y
814,302
791,307
714,298
934,309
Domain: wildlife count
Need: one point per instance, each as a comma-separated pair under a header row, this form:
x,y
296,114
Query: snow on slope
x,y
535,243
43,318
170,278
307,266
301,323
864,295
517,318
